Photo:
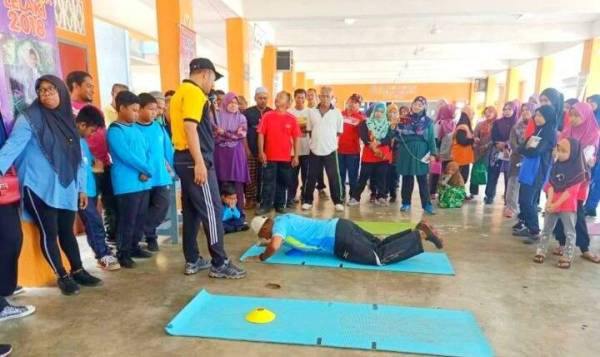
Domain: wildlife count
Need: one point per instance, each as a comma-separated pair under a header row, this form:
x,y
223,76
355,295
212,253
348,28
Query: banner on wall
x,y
28,49
187,51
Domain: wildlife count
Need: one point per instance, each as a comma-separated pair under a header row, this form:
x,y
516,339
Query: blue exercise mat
x,y
426,263
334,324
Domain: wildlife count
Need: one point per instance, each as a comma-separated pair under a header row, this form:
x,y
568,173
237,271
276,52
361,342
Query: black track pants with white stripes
x,y
201,204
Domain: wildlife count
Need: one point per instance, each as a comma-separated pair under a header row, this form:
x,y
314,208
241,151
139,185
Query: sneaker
x,y
67,285
405,208
141,254
532,239
10,312
82,277
5,350
261,211
353,202
488,201
127,263
112,241
306,206
227,271
429,209
339,207
432,235
193,268
382,202
519,225
323,195
152,245
109,263
280,210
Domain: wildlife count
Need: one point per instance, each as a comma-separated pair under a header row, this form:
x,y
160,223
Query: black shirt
x,y
253,117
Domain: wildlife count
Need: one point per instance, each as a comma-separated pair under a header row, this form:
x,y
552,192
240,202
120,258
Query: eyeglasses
x,y
47,90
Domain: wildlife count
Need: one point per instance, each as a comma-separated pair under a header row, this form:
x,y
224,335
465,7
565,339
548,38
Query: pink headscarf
x,y
445,119
227,120
586,132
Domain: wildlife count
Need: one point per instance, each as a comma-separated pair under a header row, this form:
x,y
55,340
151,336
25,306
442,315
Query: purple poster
x,y
28,49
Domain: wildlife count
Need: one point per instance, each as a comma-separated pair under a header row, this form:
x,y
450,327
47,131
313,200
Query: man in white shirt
x,y
301,113
325,124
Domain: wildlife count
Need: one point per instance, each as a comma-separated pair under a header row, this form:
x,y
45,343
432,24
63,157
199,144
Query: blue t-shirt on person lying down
x,y
306,234
88,161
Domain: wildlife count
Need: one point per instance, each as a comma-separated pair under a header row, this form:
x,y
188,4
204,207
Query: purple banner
x,y
28,50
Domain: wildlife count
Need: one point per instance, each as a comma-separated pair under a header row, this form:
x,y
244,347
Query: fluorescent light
x,y
349,21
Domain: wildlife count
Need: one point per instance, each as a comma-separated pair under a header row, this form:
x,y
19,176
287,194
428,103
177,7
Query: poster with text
x,y
187,51
28,50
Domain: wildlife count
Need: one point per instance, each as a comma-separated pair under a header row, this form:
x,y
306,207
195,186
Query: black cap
x,y
204,63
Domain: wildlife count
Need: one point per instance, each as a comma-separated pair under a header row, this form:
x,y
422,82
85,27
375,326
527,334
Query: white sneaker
x,y
353,202
10,312
109,263
339,207
306,206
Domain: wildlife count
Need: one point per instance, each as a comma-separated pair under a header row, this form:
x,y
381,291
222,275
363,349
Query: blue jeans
x,y
594,195
528,202
348,165
94,228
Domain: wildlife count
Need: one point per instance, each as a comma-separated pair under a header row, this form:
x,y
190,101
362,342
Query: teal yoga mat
x,y
425,263
334,324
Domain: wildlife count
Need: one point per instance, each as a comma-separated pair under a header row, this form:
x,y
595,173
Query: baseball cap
x,y
257,223
204,63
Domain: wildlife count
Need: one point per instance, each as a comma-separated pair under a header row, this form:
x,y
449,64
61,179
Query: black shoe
x,y
82,277
518,226
532,239
127,263
262,211
152,245
280,210
5,350
67,285
141,254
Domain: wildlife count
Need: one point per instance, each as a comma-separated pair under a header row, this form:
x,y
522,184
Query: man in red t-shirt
x,y
277,131
349,143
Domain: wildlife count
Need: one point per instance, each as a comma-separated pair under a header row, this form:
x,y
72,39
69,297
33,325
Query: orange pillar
x,y
289,80
170,16
590,65
513,77
237,55
310,83
544,73
269,68
472,96
491,94
300,80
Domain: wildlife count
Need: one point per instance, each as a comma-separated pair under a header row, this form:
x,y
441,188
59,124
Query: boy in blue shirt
x,y
161,162
233,220
341,238
131,174
88,120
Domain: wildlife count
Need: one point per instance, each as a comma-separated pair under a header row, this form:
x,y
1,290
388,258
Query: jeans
x,y
315,168
581,231
528,198
51,223
276,182
493,176
200,204
94,229
133,208
356,245
158,206
594,194
11,240
374,171
348,166
408,184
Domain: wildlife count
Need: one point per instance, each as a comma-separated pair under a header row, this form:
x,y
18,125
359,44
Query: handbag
x,y
529,170
479,174
10,191
435,167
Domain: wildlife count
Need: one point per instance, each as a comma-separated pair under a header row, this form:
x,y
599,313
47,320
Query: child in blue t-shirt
x,y
131,173
161,162
88,120
233,220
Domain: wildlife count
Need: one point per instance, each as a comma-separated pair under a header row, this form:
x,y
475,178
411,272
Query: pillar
x,y
590,65
269,68
237,55
544,73
289,80
310,83
513,77
171,15
491,94
300,80
472,95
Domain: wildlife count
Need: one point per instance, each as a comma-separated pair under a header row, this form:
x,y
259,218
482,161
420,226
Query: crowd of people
x,y
115,168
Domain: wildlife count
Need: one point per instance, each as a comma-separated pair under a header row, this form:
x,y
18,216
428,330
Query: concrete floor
x,y
524,309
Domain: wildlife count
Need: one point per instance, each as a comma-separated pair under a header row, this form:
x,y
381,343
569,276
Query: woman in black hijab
x,y
45,148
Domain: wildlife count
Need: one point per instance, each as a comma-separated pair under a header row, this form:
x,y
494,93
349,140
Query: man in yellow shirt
x,y
192,135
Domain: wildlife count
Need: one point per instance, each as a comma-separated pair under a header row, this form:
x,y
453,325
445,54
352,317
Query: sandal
x,y
564,264
560,251
538,258
591,257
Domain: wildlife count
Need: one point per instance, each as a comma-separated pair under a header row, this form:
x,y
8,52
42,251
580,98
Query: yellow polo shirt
x,y
110,115
186,104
